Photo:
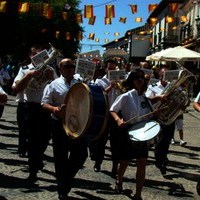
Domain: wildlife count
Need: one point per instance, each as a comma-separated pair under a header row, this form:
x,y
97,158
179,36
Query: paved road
x,y
179,183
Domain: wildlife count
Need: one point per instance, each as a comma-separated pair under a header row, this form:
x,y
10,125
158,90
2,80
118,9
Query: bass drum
x,y
86,112
145,131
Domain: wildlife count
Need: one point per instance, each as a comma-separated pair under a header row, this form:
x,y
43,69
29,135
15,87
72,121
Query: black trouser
x,y
39,134
22,110
162,146
1,110
97,148
69,156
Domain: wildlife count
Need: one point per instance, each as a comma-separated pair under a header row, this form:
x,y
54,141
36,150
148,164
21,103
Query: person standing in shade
x,y
69,154
33,120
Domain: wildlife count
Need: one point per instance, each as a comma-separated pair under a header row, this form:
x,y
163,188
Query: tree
x,y
43,23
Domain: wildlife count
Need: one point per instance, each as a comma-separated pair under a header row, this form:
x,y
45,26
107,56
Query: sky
x,y
102,31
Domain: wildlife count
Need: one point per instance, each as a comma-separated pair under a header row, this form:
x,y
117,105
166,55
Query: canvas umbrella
x,y
179,54
156,56
112,52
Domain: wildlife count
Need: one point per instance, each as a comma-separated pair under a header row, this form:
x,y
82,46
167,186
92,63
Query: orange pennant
x,y
23,7
91,36
46,10
110,11
133,8
65,15
152,7
80,35
88,11
122,19
79,18
92,20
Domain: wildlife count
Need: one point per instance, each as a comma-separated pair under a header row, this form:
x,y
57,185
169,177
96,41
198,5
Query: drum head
x,y
144,131
78,110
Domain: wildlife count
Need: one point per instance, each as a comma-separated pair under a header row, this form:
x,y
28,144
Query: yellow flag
x,y
108,21
92,20
110,11
23,7
3,6
88,11
138,19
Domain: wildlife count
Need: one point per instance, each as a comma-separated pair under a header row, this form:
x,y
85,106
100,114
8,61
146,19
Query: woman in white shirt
x,y
131,104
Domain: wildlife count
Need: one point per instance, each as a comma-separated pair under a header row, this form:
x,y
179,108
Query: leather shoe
x,y
32,178
97,167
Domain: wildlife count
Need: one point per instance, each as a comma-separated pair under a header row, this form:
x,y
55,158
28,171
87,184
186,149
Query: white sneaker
x,y
172,141
182,143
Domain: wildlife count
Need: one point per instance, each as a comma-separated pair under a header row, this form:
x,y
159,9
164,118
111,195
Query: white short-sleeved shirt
x,y
56,91
197,99
131,105
28,95
104,82
155,89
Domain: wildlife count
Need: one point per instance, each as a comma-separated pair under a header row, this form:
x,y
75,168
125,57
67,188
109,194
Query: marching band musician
x,y
132,103
69,154
98,149
33,120
154,92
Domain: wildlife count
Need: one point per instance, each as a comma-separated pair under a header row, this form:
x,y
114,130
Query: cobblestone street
x,y
179,182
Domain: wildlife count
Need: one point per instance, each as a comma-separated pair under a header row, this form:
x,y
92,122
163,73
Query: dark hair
x,y
134,75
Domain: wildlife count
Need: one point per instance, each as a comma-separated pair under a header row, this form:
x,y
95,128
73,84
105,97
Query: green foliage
x,y
26,29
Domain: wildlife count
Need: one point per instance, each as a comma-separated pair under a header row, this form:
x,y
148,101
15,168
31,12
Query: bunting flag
x,y
57,34
46,10
122,20
116,34
106,40
108,21
153,21
169,19
88,11
110,11
152,7
80,36
79,18
3,6
68,36
96,40
173,7
138,19
65,15
92,20
133,8
91,36
23,7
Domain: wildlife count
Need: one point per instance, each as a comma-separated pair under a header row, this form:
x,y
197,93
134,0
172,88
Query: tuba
x,y
177,99
41,80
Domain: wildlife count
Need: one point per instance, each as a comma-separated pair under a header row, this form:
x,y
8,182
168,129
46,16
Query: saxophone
x,y
38,82
177,99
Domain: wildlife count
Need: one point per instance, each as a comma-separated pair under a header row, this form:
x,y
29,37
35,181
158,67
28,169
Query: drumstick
x,y
146,115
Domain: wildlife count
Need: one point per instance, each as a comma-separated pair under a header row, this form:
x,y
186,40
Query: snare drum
x,y
86,113
145,131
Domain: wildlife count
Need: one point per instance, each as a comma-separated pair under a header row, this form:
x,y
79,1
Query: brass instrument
x,y
41,80
177,99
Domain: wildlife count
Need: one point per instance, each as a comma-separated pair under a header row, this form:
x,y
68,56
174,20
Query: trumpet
x,y
120,86
40,81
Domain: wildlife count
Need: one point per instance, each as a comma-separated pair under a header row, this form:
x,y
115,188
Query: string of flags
x,y
46,10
